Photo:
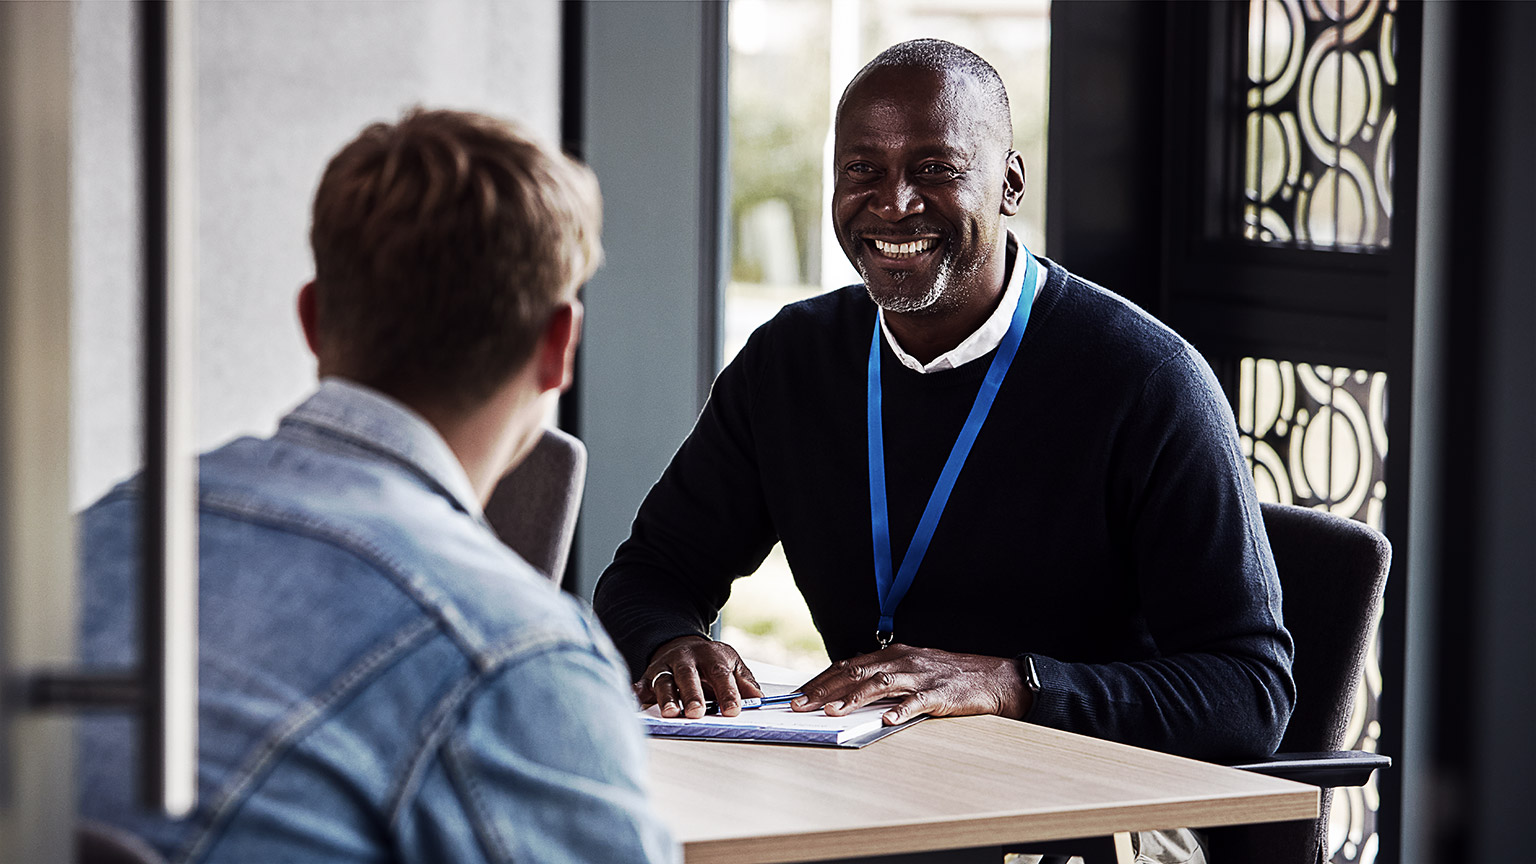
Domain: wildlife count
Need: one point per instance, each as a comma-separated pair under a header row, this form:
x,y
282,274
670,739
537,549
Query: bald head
x,y
950,61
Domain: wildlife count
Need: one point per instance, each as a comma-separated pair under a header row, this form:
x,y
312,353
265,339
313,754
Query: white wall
x,y
282,86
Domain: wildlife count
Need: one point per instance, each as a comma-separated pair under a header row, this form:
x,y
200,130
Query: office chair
x,y
1332,571
533,508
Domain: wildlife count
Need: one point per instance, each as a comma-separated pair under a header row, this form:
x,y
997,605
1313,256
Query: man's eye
x,y
937,170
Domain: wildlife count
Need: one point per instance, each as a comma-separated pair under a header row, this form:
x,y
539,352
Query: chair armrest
x,y
1327,769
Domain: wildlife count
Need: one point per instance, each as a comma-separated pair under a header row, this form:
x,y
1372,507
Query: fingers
x,y
690,690
686,671
850,684
664,685
879,684
927,680
725,675
912,706
832,683
746,680
659,689
658,684
722,682
829,686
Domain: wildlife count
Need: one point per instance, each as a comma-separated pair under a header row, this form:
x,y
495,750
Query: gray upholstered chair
x,y
533,509
1332,573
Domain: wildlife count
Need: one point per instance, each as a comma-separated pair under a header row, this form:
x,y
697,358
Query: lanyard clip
x,y
883,639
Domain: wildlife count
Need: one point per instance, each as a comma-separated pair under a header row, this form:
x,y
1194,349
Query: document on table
x,y
777,724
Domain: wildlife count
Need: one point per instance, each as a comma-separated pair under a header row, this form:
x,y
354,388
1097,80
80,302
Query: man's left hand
x,y
933,682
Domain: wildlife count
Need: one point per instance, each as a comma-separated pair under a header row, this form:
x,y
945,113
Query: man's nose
x,y
896,198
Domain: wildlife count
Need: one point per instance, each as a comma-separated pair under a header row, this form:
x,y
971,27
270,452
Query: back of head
x,y
948,60
443,243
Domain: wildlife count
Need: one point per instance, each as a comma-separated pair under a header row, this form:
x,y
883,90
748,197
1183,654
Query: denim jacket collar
x,y
356,416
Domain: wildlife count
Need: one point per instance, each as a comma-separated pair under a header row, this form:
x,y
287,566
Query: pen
x,y
754,701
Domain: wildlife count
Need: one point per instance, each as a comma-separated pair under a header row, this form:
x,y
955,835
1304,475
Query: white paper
x,y
774,723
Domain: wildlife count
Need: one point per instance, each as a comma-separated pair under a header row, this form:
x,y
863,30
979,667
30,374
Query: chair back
x,y
1332,572
533,508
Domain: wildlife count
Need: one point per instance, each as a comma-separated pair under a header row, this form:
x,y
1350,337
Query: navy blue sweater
x,y
1105,522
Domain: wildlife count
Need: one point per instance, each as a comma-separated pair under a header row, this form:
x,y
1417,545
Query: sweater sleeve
x,y
702,525
1219,685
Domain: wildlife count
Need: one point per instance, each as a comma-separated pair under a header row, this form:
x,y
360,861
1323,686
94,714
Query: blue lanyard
x,y
890,587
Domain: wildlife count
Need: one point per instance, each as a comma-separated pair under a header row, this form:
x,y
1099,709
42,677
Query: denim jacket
x,y
381,679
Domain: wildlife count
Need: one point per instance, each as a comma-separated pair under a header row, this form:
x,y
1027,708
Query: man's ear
x,y
1013,183
556,353
309,317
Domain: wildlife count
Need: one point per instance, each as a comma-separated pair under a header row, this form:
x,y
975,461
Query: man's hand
x,y
934,682
688,669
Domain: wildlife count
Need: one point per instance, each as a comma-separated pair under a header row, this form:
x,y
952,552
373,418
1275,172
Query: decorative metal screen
x,y
1317,436
1320,118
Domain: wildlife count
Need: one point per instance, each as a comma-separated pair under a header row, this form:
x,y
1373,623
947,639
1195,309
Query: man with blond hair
x,y
381,678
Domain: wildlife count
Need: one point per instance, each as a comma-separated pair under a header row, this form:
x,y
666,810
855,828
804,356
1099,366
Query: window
x,y
1321,80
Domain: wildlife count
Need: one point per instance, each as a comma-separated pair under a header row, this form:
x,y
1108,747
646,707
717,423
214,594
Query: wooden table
x,y
945,784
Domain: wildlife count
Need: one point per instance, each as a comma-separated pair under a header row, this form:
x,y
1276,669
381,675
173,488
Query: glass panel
x,y
790,60
1319,123
1317,436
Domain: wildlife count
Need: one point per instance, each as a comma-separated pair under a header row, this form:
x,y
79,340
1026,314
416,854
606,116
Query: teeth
x,y
903,250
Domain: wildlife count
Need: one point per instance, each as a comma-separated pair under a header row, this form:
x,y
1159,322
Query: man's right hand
x,y
689,669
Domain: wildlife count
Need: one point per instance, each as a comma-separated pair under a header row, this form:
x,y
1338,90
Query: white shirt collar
x,y
986,337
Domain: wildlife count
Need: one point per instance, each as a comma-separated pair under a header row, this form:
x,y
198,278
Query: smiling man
x,y
1001,489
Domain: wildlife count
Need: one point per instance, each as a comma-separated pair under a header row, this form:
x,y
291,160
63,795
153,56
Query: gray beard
x,y
908,304
947,283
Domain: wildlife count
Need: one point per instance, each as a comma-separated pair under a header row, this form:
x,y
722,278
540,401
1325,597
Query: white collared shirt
x,y
986,337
